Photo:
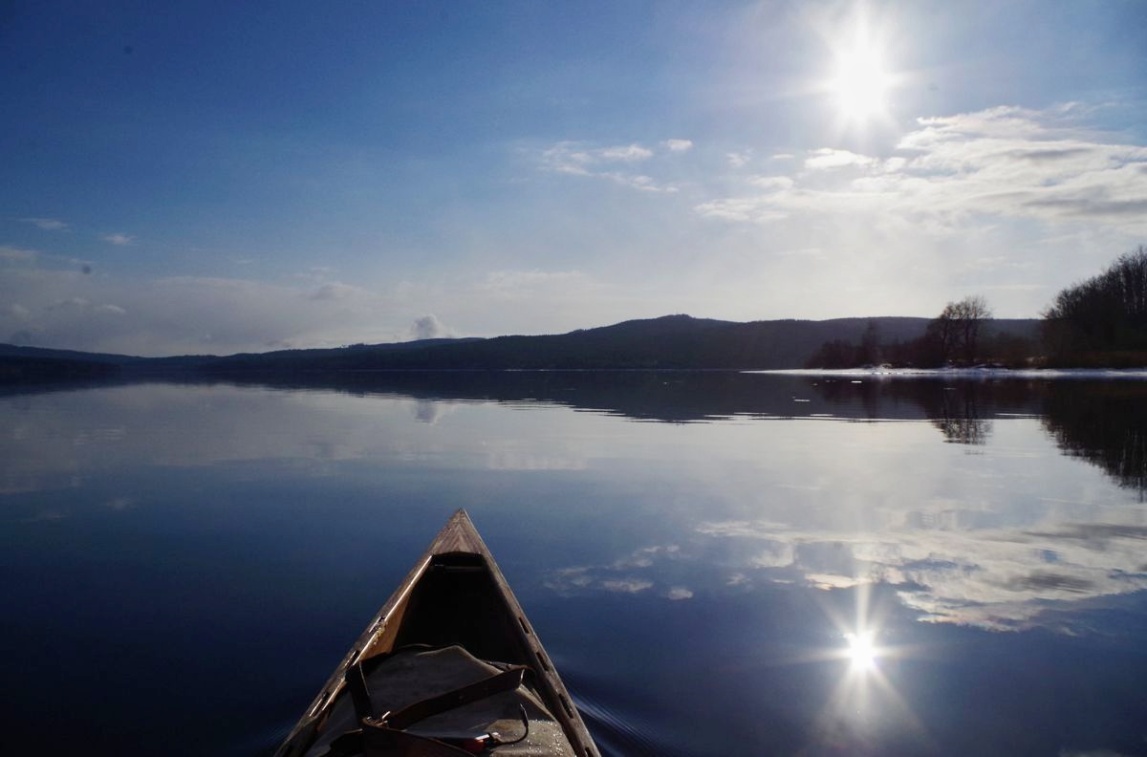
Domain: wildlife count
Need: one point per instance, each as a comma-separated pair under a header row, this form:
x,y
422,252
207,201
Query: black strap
x,y
411,714
386,735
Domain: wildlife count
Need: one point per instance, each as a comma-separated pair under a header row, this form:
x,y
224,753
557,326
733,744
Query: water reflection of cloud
x,y
432,411
1000,579
992,539
55,440
640,571
774,554
627,585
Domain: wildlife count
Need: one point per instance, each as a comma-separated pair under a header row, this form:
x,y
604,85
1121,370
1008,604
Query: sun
x,y
862,48
862,651
861,82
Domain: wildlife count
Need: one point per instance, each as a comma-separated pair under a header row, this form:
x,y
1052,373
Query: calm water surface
x,y
183,565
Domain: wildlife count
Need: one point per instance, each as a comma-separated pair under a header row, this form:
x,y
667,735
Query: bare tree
x,y
956,331
972,312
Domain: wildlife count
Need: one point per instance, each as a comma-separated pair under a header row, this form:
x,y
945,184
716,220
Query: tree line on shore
x,y
1100,322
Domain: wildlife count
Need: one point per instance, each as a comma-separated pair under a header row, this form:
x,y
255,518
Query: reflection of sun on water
x,y
862,705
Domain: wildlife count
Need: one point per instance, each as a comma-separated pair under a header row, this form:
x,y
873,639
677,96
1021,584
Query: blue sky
x,y
221,177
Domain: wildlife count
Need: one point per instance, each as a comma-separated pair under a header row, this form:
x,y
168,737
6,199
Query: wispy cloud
x,y
739,159
579,160
678,145
17,255
19,312
47,224
336,291
83,307
614,163
1001,163
826,158
514,282
118,239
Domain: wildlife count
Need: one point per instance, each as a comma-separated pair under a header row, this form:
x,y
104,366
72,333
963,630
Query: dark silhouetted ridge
x,y
673,342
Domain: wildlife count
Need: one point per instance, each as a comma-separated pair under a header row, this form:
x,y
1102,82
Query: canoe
x,y
452,633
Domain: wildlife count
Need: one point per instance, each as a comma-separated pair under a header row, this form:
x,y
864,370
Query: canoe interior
x,y
457,602
455,594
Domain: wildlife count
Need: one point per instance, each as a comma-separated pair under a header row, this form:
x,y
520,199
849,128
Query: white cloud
x,y
758,209
739,159
118,239
578,159
624,154
1007,202
428,327
1012,202
678,145
614,163
1005,163
47,224
826,158
627,585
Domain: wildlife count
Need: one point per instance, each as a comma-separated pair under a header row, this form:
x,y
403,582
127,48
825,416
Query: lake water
x,y
184,564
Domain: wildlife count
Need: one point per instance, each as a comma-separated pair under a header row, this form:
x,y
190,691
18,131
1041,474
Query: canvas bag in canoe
x,y
510,721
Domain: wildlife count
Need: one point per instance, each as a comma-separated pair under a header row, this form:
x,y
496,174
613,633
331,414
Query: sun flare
x,y
861,83
862,651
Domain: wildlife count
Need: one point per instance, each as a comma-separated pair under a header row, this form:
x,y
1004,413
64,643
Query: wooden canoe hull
x,y
454,594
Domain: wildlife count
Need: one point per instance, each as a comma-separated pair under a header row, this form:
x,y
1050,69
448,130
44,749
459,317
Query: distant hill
x,y
39,353
33,369
669,342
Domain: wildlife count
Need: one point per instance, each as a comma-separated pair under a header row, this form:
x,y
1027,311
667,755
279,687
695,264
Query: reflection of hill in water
x,y
1103,422
671,396
689,396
